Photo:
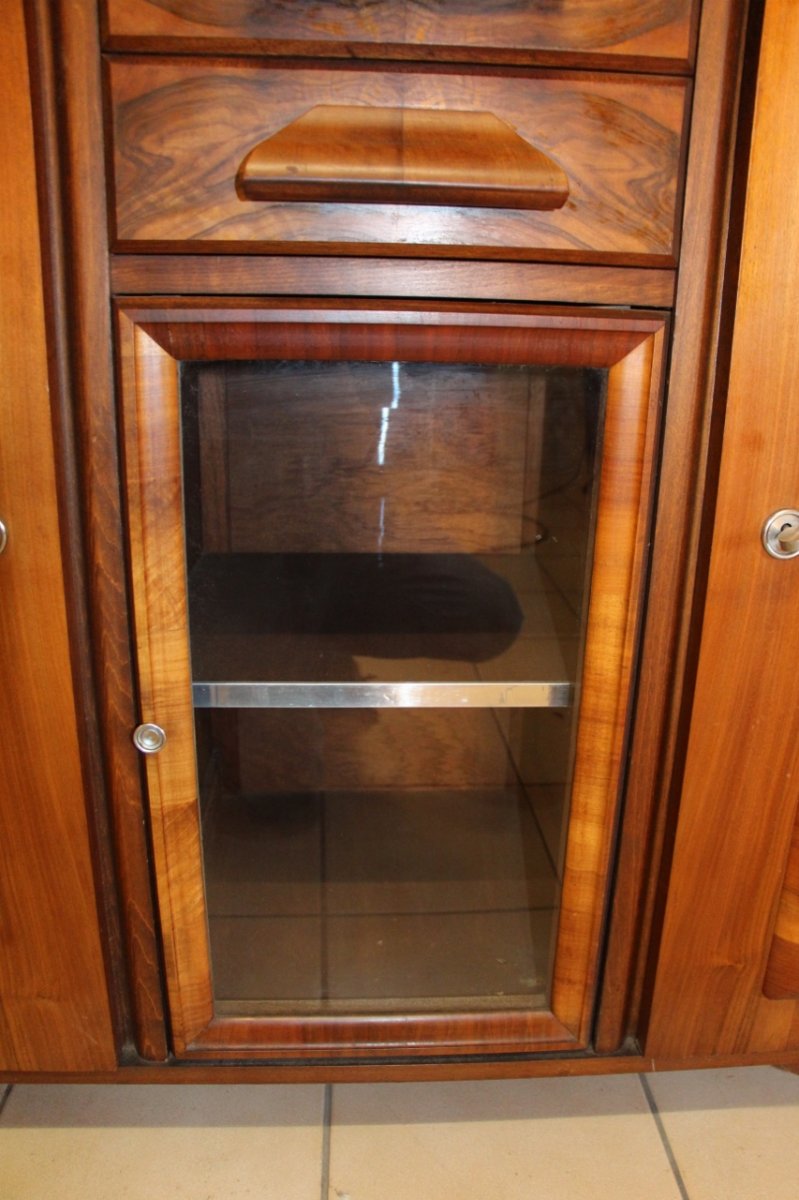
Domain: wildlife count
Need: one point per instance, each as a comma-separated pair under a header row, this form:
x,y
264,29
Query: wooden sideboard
x,y
627,244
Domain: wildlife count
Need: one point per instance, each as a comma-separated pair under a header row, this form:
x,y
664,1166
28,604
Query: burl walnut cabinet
x,y
395,395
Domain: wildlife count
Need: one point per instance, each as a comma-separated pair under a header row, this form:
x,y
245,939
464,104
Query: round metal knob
x,y
781,534
3,536
149,738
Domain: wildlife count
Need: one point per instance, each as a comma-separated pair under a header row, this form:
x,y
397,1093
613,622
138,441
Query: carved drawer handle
x,y
402,155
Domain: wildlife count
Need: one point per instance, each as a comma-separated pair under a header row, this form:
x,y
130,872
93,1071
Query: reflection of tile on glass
x,y
263,855
257,958
441,956
548,659
544,744
522,571
550,807
434,851
419,670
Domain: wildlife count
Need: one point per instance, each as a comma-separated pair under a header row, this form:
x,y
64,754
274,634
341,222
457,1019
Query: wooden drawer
x,y
181,128
648,34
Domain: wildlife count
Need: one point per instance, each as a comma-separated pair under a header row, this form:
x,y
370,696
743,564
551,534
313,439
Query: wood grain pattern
x,y
366,457
677,564
182,128
740,793
604,30
348,153
604,715
264,275
54,1006
152,456
155,339
782,970
77,81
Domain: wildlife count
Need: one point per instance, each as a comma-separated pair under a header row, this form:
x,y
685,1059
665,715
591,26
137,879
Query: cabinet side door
x,y
731,869
54,1008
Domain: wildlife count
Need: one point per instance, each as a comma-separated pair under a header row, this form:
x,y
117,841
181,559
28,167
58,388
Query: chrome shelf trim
x,y
383,695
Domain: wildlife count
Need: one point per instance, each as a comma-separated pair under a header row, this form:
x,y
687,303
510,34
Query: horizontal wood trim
x,y
657,35
449,1035
266,275
182,127
510,1067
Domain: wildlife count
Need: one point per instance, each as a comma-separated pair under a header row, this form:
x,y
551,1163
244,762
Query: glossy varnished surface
x,y
409,156
182,129
54,1007
739,799
676,566
152,339
298,275
658,32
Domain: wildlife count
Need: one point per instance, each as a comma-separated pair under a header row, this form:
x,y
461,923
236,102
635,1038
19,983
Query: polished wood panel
x,y
150,384
405,156
76,116
182,128
677,562
619,559
155,339
54,1005
740,793
604,31
264,275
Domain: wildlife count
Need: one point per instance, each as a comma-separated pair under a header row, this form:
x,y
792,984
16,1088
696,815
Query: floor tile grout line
x,y
5,1092
661,1128
326,1118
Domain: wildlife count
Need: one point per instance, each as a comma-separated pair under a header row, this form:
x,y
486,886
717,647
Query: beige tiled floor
x,y
701,1135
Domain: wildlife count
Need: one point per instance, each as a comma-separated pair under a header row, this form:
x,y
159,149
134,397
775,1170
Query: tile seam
x,y
661,1128
326,1122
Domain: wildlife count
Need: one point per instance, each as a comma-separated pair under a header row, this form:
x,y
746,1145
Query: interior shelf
x,y
379,631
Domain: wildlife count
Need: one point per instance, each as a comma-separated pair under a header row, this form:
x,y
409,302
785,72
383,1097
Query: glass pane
x,y
407,546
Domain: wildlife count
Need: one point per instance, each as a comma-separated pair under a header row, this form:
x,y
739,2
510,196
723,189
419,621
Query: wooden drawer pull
x,y
401,155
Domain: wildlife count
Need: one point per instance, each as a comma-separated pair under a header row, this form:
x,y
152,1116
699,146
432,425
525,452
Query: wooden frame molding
x,y
154,337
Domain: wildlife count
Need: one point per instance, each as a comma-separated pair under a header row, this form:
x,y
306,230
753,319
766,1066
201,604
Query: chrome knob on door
x,y
150,739
3,536
781,534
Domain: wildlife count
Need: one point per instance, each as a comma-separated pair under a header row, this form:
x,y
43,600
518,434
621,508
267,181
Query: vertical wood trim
x,y
53,992
667,655
151,398
619,551
741,784
76,48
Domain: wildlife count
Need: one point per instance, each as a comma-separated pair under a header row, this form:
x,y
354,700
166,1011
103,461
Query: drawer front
x,y
182,129
657,33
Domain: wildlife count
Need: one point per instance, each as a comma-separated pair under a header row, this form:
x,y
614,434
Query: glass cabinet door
x,y
386,571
